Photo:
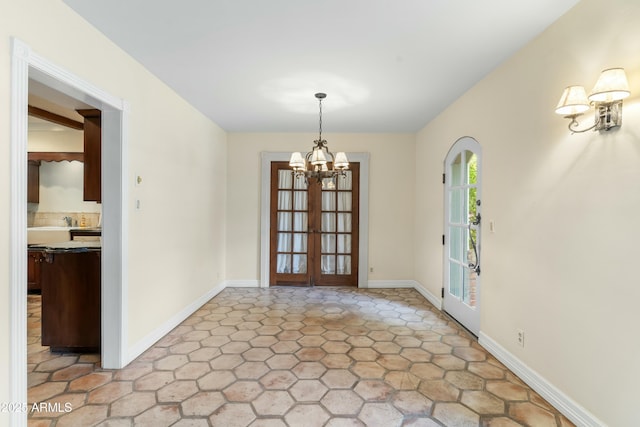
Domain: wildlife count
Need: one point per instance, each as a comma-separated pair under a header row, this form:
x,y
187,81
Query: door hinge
x,y
444,178
442,293
443,239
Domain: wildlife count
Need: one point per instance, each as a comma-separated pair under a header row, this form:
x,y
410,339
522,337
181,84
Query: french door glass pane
x,y
328,243
328,264
457,213
456,171
472,167
343,264
344,222
300,183
346,182
300,221
299,264
284,242
285,178
471,255
456,235
344,200
344,243
466,290
455,279
300,200
300,242
284,221
328,221
328,201
284,200
284,263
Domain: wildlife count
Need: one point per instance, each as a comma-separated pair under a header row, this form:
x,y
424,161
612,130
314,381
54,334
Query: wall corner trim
x,y
571,409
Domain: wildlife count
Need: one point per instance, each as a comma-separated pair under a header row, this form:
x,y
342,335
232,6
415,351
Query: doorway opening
x,y
27,65
462,255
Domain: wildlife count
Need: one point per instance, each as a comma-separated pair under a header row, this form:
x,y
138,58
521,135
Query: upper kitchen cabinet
x,y
92,154
33,181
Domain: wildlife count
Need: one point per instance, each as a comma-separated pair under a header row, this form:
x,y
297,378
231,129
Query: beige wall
x,y
176,241
561,264
391,203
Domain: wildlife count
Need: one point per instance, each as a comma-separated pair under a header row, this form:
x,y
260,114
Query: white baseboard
x,y
563,403
242,284
149,340
381,284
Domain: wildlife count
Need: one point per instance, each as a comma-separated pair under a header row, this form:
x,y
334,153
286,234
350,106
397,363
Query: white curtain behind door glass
x,y
336,227
292,226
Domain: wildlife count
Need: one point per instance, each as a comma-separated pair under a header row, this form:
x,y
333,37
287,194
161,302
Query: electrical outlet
x,y
371,270
520,337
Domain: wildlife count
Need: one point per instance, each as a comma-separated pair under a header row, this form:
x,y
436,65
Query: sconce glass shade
x,y
318,157
296,161
573,101
611,86
341,161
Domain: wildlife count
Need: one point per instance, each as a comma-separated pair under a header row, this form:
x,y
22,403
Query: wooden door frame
x,y
265,214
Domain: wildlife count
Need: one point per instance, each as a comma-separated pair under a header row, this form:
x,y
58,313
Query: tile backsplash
x,y
56,219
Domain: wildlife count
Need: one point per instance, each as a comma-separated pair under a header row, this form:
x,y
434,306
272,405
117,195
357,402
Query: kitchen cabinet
x,y
34,159
92,154
33,181
34,260
71,287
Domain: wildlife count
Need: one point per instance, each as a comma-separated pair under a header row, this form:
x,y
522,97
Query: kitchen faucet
x,y
68,220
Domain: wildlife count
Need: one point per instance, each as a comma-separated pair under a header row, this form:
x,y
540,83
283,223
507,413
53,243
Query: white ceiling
x,y
386,65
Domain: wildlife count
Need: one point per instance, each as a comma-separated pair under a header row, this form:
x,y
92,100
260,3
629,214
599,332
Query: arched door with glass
x,y
463,203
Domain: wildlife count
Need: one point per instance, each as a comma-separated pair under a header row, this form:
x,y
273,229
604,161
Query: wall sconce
x,y
607,95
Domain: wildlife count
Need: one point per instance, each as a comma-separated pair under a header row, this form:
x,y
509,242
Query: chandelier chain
x,y
320,136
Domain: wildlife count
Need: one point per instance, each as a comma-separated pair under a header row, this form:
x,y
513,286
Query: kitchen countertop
x,y
69,246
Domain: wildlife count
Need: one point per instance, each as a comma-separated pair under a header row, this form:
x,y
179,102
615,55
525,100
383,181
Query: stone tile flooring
x,y
291,357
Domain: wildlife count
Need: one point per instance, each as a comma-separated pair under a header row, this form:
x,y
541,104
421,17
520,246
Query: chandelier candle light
x,y
315,164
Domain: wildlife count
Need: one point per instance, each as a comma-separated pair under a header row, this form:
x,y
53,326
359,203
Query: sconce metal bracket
x,y
608,115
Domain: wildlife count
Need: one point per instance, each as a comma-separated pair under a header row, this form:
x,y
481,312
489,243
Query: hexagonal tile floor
x,y
291,357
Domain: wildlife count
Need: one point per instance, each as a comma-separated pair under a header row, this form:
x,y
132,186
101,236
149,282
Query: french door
x,y
462,233
314,229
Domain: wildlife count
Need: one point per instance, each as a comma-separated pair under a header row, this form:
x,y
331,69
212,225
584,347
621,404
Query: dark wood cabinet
x,y
33,181
71,300
92,154
34,260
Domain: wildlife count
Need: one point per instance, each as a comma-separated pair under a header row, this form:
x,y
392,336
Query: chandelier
x,y
316,163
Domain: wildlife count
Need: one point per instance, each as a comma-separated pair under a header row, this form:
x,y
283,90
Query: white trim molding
x,y
18,230
569,408
25,65
242,283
